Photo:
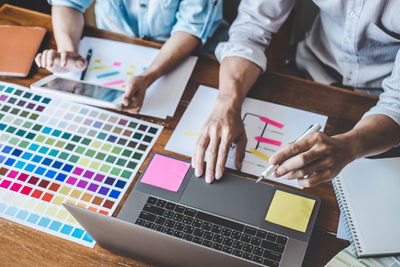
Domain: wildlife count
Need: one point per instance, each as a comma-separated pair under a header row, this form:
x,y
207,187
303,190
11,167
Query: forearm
x,y
178,47
236,76
67,26
372,135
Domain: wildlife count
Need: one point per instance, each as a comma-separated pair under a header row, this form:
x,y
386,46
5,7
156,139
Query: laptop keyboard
x,y
211,231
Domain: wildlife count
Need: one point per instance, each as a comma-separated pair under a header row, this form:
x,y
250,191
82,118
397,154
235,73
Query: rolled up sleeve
x,y
251,32
80,5
389,101
198,18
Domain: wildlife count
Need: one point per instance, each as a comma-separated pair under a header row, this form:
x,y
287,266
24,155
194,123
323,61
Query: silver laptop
x,y
218,224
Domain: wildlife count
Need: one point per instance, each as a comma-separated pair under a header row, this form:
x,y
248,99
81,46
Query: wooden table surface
x,y
24,246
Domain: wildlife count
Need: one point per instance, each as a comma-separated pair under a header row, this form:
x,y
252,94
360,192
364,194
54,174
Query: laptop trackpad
x,y
233,197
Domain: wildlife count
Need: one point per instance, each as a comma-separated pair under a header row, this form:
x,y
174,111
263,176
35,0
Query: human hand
x,y
317,156
135,92
60,62
223,127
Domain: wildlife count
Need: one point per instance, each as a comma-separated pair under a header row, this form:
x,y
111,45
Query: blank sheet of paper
x,y
290,210
165,172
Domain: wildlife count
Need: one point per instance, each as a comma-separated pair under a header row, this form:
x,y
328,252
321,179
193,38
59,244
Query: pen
x,y
89,55
312,129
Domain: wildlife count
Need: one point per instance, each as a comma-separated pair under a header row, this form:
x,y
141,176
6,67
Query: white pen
x,y
312,129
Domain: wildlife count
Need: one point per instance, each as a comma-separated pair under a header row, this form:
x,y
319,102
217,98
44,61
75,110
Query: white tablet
x,y
79,91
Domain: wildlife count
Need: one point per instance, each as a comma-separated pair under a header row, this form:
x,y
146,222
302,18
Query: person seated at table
x,y
182,25
353,43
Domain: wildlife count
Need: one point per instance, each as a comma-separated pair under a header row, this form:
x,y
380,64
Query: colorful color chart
x,y
53,151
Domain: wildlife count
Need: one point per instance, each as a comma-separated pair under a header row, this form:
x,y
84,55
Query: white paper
x,y
123,61
294,121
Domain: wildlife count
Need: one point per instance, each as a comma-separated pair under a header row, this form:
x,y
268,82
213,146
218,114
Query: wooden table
x,y
21,245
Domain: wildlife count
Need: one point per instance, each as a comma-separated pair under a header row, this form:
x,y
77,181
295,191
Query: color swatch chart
x,y
53,151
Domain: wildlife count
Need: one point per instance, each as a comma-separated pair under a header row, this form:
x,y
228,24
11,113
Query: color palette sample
x,y
165,172
290,210
53,151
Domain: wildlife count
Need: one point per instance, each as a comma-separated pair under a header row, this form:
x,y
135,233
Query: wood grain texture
x,y
22,246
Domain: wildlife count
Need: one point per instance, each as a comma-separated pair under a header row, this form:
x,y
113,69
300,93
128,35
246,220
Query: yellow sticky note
x,y
290,210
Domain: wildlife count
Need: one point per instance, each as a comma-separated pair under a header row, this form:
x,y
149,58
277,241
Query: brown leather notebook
x,y
18,47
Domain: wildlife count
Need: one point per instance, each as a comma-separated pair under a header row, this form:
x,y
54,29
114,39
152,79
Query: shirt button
x,y
353,14
143,5
349,75
348,39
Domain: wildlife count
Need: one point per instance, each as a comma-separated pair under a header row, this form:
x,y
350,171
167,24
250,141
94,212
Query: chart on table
x,y
268,128
113,64
53,151
267,139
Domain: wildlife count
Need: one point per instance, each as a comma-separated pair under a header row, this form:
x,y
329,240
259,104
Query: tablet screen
x,y
88,90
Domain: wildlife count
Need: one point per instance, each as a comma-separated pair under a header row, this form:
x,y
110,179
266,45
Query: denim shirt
x,y
153,19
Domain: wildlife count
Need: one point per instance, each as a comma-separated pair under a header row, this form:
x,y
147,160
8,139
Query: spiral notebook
x,y
368,193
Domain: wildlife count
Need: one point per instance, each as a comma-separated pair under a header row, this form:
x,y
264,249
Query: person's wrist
x,y
351,144
149,76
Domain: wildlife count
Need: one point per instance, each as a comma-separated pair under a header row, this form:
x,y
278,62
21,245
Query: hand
x,y
317,156
133,99
223,127
60,62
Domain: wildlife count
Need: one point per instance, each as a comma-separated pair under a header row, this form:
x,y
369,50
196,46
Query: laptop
x,y
227,223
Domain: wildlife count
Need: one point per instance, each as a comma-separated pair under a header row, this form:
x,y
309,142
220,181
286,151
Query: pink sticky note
x,y
117,64
166,173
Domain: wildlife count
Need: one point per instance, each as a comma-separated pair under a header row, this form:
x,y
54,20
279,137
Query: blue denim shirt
x,y
155,19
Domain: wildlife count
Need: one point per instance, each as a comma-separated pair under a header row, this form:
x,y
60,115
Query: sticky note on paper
x,y
290,210
165,172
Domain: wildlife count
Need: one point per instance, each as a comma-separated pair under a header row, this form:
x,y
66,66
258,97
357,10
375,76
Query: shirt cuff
x,y
190,30
243,49
384,110
78,5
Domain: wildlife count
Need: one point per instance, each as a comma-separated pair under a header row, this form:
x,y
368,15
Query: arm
x,y
178,47
322,157
195,21
242,61
225,126
67,26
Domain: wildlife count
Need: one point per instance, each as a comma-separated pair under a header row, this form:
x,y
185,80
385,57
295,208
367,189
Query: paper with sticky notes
x,y
165,172
114,63
290,210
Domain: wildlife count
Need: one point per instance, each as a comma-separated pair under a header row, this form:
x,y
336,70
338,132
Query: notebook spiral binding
x,y
349,223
